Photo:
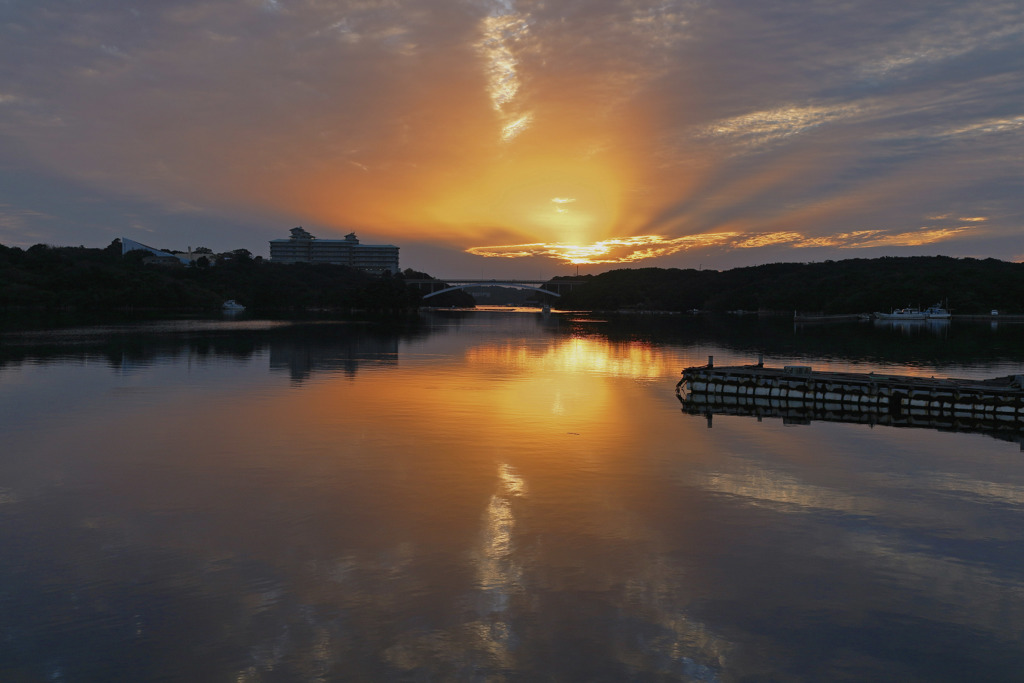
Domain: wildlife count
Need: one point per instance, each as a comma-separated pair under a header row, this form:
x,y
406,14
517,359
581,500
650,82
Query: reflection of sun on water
x,y
582,355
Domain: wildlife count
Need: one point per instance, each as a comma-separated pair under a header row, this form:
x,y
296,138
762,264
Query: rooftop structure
x,y
303,247
131,245
161,257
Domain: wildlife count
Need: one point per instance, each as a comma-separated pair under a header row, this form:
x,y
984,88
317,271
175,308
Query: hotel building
x,y
302,247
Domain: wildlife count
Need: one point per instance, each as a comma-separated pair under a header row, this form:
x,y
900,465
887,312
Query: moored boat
x,y
232,306
936,312
902,314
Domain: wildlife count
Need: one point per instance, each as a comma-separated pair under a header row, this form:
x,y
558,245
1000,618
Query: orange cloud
x,y
616,250
640,247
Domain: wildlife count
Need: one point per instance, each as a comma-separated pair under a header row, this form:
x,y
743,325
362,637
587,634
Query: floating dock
x,y
799,393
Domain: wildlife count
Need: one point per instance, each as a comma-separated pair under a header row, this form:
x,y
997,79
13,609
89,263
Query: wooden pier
x,y
800,393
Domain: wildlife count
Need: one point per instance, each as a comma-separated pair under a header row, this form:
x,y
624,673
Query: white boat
x,y
902,314
936,312
232,306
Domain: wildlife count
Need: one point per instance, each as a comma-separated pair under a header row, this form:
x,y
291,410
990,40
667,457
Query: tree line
x,y
78,278
965,285
46,277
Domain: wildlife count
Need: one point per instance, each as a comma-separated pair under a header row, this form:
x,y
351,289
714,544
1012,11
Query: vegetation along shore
x,y
78,278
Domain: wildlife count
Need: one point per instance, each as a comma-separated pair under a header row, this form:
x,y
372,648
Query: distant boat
x,y
902,314
232,306
936,312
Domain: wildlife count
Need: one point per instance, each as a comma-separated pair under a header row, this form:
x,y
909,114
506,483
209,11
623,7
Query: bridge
x,y
441,285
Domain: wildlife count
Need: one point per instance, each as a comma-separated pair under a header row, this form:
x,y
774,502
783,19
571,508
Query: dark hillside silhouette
x,y
968,286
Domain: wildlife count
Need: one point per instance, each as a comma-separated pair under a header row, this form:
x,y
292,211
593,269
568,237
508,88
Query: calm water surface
x,y
492,496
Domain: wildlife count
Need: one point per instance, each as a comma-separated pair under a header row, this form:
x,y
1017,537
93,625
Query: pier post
x,y
711,361
760,360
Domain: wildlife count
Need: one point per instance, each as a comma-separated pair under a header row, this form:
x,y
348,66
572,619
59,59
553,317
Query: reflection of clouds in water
x,y
684,647
968,592
1005,493
498,573
486,640
512,482
494,569
764,486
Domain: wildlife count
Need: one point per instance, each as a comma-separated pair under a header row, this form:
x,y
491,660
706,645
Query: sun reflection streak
x,y
581,354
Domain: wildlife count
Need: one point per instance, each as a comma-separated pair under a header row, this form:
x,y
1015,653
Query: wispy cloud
x,y
13,218
761,129
503,31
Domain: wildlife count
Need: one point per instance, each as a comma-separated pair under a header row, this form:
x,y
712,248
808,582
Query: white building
x,y
302,247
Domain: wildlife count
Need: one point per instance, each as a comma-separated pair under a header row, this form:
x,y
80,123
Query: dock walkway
x,y
796,386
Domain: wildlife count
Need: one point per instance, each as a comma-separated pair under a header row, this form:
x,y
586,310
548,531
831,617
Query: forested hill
x,y
44,277
79,278
832,287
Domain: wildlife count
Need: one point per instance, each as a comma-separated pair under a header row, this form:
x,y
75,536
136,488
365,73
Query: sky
x,y
519,138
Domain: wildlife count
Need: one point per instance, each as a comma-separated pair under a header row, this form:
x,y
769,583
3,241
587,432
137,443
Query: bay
x,y
493,495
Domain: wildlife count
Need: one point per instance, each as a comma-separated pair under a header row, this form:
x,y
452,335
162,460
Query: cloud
x,y
642,247
759,129
13,219
620,250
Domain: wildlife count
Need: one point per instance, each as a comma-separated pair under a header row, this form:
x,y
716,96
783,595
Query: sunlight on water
x,y
582,355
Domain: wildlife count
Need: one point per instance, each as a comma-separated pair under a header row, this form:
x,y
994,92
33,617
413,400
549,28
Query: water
x,y
492,496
